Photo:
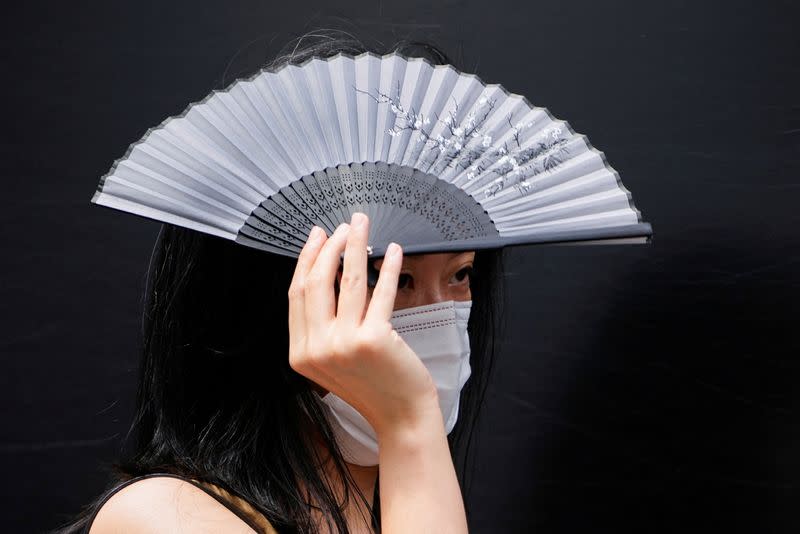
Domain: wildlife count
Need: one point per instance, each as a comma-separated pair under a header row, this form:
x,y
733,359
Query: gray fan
x,y
437,159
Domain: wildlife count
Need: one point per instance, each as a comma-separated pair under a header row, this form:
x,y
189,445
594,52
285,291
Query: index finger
x,y
316,238
305,260
320,306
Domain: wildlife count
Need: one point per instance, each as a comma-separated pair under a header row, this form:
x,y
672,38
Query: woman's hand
x,y
351,349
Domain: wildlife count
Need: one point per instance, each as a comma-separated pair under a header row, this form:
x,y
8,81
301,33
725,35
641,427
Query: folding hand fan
x,y
438,160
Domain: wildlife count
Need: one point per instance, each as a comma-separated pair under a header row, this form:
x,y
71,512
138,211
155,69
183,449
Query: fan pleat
x,y
527,138
591,203
292,135
582,166
498,109
583,163
368,71
465,92
141,204
495,111
229,144
599,220
325,121
240,105
228,118
482,115
494,173
184,207
436,98
200,164
157,184
274,119
452,112
249,99
296,81
391,78
342,79
413,89
320,88
148,157
185,137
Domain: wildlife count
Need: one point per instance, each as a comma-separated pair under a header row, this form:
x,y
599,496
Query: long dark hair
x,y
217,400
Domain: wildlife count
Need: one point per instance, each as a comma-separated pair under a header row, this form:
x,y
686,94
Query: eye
x,y
461,275
404,281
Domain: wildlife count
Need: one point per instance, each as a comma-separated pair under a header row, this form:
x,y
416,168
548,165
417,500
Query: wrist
x,y
416,427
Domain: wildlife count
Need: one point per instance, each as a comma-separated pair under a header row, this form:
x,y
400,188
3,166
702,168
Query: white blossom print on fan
x,y
439,161
469,147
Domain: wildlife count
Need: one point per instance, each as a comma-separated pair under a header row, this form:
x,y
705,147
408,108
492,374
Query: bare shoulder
x,y
165,504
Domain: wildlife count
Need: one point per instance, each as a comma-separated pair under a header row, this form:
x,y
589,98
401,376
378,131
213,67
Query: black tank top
x,y
239,513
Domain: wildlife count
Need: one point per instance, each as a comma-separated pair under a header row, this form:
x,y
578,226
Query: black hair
x,y
217,400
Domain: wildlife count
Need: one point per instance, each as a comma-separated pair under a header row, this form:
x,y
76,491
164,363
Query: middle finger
x,y
353,286
297,316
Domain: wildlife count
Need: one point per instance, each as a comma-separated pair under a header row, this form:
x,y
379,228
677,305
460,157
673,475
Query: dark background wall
x,y
639,388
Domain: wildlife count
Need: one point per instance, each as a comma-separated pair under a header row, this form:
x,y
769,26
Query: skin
x,y
343,342
424,279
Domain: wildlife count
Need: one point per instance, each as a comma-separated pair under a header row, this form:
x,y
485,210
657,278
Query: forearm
x,y
419,490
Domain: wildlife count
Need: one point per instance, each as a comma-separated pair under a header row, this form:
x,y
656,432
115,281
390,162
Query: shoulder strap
x,y
239,513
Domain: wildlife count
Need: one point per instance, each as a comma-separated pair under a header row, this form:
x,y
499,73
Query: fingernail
x,y
392,250
315,233
342,227
358,219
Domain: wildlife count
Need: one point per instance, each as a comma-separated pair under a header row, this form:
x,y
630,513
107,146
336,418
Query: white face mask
x,y
437,333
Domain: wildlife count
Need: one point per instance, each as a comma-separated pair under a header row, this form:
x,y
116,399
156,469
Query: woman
x,y
230,432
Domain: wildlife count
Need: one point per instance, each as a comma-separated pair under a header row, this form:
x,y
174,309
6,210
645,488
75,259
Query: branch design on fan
x,y
470,148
